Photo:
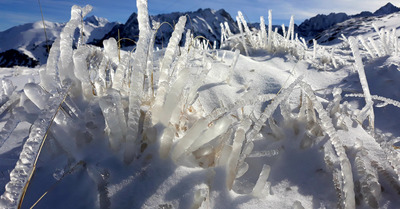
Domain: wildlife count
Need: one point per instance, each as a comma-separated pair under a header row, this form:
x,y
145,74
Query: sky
x,y
17,12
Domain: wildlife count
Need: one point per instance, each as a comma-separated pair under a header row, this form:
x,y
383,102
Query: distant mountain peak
x,y
202,22
311,27
387,9
321,22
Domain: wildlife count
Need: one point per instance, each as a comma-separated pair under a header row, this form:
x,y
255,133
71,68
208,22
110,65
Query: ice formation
x,y
150,110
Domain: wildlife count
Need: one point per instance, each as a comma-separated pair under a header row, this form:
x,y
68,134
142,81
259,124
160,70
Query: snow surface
x,y
268,130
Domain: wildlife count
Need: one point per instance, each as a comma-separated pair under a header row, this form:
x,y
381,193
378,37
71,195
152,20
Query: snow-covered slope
x,y
312,27
359,26
30,38
319,23
203,22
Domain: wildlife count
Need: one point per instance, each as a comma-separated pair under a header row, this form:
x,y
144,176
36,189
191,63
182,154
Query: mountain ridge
x,y
202,22
29,39
313,26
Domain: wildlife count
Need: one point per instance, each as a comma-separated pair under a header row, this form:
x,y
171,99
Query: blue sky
x,y
16,12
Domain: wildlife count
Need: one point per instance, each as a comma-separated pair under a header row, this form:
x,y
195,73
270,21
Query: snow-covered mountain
x,y
359,26
203,22
387,9
30,38
12,57
314,26
319,23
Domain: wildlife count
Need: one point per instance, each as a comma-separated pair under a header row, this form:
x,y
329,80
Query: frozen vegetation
x,y
263,121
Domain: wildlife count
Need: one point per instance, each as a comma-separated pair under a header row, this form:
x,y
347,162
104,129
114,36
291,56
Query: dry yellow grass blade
x,y
58,181
38,154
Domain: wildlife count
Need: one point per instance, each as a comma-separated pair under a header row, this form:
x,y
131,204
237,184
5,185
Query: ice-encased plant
x,y
143,111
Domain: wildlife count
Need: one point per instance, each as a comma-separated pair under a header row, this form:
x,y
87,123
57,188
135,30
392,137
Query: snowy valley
x,y
250,118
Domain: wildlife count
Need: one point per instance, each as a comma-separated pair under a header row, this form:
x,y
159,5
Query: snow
x,y
31,40
194,127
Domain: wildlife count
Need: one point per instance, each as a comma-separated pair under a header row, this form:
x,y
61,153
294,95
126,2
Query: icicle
x,y
222,35
361,38
269,30
183,58
263,36
81,70
261,182
170,54
172,99
7,89
63,130
193,94
271,108
246,29
242,36
274,37
290,32
228,29
304,43
334,106
13,98
111,49
217,128
37,95
232,162
166,140
137,78
119,76
243,167
370,187
66,42
373,43
368,109
49,78
193,133
333,58
9,127
20,175
113,112
315,49
233,65
327,125
381,36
